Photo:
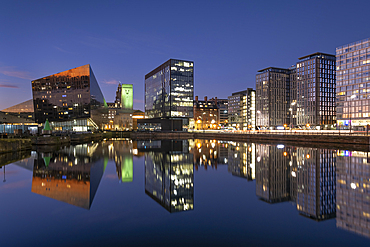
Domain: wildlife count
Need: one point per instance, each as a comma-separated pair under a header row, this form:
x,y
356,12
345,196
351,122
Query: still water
x,y
185,193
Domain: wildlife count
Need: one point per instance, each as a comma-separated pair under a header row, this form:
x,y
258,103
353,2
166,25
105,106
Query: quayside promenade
x,y
327,138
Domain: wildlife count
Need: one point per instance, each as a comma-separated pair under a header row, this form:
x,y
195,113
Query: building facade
x,y
242,110
315,88
169,90
206,114
273,97
353,85
71,100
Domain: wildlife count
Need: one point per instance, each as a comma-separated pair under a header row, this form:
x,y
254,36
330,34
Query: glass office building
x,y
353,85
71,100
169,90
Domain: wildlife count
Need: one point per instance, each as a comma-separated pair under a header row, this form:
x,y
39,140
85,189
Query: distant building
x,y
71,100
315,91
206,114
124,96
242,110
353,84
169,91
223,112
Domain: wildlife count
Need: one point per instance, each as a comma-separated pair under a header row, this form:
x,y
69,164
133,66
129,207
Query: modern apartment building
x,y
315,91
353,85
273,97
242,110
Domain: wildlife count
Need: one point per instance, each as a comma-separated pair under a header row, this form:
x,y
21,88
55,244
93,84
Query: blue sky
x,y
123,40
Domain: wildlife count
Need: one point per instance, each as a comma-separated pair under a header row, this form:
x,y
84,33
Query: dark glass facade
x,y
73,97
169,90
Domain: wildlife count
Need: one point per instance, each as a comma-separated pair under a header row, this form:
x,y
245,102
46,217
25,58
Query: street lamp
x,y
350,114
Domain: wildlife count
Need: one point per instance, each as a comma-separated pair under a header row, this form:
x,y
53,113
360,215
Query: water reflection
x,y
320,183
169,174
71,175
353,192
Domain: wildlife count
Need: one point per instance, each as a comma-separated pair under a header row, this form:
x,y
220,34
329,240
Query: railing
x,y
288,132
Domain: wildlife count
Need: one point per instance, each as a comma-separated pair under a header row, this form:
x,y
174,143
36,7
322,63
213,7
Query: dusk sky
x,y
124,40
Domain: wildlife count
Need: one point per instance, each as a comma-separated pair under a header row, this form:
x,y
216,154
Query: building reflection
x,y
304,176
241,159
272,173
169,173
353,192
121,151
71,175
208,153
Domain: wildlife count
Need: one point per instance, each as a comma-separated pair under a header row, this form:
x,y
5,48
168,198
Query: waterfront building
x,y
353,191
206,114
208,153
242,110
315,91
273,97
353,85
169,91
223,115
70,100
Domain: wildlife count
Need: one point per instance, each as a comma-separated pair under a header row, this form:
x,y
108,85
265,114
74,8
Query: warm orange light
x,y
285,153
308,156
285,125
199,145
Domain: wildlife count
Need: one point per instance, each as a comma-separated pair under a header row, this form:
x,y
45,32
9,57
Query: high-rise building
x,y
353,85
242,110
169,90
71,100
315,91
273,97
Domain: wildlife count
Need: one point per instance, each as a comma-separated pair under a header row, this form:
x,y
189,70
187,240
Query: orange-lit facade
x,y
206,114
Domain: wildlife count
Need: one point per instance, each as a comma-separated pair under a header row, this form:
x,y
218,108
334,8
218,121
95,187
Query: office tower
x,y
315,85
71,100
315,180
169,90
206,114
273,97
353,85
353,192
242,110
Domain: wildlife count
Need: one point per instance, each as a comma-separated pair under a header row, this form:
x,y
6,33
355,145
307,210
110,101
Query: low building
x,y
206,114
242,110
